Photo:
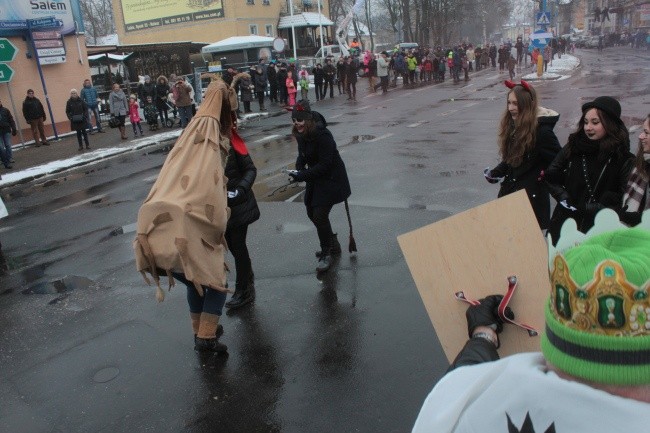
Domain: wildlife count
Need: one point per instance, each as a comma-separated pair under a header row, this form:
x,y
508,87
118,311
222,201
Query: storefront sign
x,y
41,13
145,14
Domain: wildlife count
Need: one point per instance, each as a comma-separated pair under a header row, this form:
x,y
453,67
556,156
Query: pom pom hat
x,y
598,314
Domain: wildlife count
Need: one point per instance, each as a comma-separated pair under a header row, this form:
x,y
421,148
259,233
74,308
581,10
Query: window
x,y
253,29
266,2
250,2
269,30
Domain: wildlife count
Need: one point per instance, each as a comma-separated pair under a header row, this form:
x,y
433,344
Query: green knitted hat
x,y
598,313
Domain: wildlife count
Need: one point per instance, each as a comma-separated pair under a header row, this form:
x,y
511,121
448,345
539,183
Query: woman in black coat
x,y
321,167
77,112
241,174
590,173
527,145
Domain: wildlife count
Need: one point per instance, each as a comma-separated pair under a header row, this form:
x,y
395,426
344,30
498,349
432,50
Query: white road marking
x,y
335,116
381,137
267,138
80,203
150,178
5,229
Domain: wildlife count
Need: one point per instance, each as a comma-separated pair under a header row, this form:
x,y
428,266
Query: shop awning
x,y
236,43
304,19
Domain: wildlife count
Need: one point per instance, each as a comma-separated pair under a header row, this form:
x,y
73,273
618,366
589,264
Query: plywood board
x,y
475,251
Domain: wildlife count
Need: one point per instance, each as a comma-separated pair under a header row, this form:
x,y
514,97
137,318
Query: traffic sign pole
x,y
40,73
16,116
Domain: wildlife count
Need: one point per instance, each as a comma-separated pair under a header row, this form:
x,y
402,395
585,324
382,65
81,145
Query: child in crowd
x,y
151,114
291,89
134,115
512,63
304,85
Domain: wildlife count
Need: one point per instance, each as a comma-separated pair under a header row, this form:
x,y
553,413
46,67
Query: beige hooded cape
x,y
182,222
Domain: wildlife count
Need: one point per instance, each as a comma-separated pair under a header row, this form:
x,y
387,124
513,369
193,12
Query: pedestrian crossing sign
x,y
543,18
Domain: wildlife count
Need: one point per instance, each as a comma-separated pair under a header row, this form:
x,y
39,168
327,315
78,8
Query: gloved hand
x,y
487,314
566,205
14,132
294,176
488,176
236,196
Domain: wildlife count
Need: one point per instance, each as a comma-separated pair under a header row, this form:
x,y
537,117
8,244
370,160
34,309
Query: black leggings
x,y
320,216
82,133
236,238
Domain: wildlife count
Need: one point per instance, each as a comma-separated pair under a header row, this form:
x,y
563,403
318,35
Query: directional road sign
x,y
13,25
7,50
6,73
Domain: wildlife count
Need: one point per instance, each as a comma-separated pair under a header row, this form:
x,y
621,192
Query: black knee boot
x,y
244,294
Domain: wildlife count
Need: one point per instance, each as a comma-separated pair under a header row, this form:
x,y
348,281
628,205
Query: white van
x,y
333,51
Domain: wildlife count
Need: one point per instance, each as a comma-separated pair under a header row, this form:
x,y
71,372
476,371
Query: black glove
x,y
488,176
237,196
295,176
487,314
14,132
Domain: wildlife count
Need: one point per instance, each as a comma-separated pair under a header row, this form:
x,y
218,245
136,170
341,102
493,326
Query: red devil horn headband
x,y
510,85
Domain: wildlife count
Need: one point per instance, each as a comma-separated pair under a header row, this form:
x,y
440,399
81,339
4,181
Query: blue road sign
x,y
13,25
45,22
543,18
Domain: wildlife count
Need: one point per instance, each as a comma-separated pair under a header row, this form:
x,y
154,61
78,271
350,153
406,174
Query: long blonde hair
x,y
517,137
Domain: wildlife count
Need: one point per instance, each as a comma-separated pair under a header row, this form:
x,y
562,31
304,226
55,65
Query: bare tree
x,y
98,18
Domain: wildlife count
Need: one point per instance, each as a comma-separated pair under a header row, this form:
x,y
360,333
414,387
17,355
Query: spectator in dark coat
x,y
77,112
7,129
35,115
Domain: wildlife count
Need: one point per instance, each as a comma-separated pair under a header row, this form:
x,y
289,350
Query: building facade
x,y
207,21
51,58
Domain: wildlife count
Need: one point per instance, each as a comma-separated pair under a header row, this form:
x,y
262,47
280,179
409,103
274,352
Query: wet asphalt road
x,y
84,347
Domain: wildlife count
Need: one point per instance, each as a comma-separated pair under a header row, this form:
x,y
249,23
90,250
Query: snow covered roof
x,y
116,57
304,19
238,43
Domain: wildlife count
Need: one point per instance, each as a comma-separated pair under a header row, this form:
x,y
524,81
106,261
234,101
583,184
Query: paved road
x,y
84,346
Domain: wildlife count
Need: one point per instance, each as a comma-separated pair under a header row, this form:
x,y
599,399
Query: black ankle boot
x,y
209,345
243,296
335,247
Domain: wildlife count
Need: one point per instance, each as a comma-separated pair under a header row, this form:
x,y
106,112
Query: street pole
x,y
320,31
293,34
13,107
40,73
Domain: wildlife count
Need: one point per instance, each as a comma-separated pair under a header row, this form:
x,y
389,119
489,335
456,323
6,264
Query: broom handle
x,y
347,211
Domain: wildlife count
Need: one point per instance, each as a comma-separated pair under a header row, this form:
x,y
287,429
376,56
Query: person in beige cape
x,y
181,224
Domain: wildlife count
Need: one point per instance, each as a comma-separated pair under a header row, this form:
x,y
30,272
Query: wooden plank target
x,y
476,251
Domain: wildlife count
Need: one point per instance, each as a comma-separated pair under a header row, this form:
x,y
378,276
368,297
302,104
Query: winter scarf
x,y
637,188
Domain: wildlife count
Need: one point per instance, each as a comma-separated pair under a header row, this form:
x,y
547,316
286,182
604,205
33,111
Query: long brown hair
x,y
310,127
640,163
517,137
616,139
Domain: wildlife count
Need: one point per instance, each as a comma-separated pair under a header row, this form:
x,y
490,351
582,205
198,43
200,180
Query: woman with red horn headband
x,y
591,171
527,145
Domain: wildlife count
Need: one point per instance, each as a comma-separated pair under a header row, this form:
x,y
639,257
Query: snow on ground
x,y
10,178
556,69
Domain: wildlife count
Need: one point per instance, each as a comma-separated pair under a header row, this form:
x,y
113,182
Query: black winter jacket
x,y
321,167
77,106
566,180
241,174
526,175
33,109
475,351
7,123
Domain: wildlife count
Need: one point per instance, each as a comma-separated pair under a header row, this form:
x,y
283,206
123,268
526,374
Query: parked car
x,y
591,42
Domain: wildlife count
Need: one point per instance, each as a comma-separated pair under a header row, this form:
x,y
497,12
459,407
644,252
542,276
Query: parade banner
x,y
145,14
14,14
475,252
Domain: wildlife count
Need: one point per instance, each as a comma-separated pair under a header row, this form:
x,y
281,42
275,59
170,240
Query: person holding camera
x,y
593,372
7,129
321,167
